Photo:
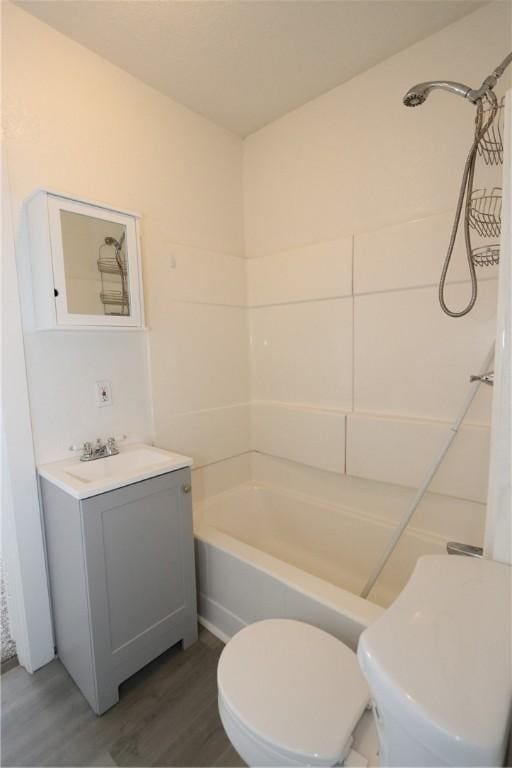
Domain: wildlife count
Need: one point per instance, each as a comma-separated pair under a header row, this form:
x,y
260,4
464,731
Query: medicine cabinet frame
x,y
49,290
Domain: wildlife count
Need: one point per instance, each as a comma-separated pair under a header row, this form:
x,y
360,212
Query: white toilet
x,y
436,668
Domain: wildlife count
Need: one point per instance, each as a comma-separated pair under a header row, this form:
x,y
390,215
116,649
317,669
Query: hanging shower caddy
x,y
490,147
115,302
485,212
485,205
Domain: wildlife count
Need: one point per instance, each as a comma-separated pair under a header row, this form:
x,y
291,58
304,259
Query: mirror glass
x,y
95,265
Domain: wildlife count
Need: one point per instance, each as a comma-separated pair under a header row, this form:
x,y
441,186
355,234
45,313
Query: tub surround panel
x,y
199,357
183,273
413,360
390,358
307,435
409,255
401,450
200,362
443,516
354,163
318,271
302,353
208,436
212,479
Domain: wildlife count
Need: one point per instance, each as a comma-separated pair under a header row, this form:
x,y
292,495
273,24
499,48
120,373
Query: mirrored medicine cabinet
x,y
85,264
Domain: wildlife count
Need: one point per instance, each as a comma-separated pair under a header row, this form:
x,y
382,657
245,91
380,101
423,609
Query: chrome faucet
x,y
99,450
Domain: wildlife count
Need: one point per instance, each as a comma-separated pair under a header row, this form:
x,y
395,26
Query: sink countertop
x,y
133,463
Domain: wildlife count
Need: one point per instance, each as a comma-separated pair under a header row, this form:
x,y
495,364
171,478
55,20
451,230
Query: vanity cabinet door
x,y
140,569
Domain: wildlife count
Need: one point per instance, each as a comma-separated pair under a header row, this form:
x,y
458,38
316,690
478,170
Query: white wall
x,y
76,123
348,208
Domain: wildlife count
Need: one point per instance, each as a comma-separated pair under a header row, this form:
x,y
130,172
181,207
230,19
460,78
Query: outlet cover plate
x,y
103,390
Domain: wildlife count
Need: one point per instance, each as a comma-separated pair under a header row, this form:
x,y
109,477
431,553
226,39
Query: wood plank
x,y
167,715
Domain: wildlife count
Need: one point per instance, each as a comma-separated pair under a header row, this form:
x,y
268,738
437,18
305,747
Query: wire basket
x,y
485,212
108,265
490,147
486,255
115,299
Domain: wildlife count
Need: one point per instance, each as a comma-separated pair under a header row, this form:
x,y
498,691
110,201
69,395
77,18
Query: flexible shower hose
x,y
466,189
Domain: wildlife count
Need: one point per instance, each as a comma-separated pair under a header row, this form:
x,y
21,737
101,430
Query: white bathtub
x,y
262,552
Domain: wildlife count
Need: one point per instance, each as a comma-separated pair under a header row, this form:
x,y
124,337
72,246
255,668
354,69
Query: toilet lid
x,y
295,687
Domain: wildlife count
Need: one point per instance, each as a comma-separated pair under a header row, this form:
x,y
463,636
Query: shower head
x,y
116,243
418,93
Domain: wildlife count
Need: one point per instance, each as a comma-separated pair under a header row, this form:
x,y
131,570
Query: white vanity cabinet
x,y
84,263
122,578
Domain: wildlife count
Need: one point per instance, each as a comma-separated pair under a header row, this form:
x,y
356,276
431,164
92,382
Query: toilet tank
x,y
438,664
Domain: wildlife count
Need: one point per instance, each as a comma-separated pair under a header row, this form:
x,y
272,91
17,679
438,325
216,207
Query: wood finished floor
x,y
167,716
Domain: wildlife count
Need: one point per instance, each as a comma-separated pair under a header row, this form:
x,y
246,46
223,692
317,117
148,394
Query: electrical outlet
x,y
103,393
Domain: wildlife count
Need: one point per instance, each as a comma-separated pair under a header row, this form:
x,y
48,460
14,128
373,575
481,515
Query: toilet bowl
x,y
436,667
290,694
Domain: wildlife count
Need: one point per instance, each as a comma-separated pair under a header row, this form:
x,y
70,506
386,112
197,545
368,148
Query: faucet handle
x,y
484,378
87,449
111,446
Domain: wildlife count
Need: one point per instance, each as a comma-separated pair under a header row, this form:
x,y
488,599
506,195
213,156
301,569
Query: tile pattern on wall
x,y
207,436
212,479
409,255
302,353
288,276
357,329
307,435
445,516
400,451
199,355
413,360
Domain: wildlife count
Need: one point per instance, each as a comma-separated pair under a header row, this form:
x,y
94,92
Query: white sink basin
x,y
134,463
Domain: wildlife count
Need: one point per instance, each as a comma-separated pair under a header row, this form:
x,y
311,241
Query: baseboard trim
x,y
219,634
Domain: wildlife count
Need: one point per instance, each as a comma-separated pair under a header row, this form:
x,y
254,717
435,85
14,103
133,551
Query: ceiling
x,y
243,63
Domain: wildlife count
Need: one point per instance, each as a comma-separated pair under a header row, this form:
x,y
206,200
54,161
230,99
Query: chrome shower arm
x,y
419,92
446,85
502,67
490,82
